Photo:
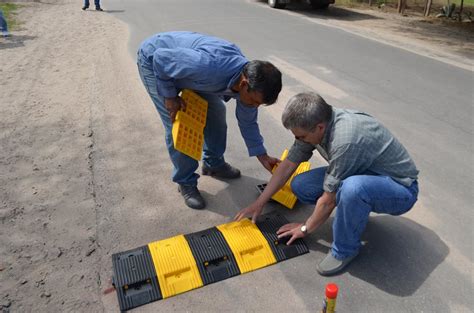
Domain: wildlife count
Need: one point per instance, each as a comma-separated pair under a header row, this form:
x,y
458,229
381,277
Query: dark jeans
x,y
96,2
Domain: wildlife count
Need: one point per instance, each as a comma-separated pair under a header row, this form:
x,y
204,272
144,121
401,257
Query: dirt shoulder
x,y
72,108
438,38
54,71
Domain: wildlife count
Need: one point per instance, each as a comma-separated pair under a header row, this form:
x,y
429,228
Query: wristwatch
x,y
304,229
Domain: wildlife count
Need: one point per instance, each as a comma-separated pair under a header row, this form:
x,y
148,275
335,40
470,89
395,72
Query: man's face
x,y
252,98
313,137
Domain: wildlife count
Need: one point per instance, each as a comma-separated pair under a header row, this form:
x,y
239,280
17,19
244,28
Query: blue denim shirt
x,y
204,64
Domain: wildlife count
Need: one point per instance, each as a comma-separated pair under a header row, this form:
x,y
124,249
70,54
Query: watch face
x,y
303,228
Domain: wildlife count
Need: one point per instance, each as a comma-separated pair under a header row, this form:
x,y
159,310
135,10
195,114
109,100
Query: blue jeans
x,y
96,3
356,197
3,23
215,132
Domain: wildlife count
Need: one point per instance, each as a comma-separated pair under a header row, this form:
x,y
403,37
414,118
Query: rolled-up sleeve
x,y
300,152
247,120
173,64
345,160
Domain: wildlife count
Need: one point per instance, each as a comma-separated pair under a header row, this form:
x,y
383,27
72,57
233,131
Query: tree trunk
x,y
401,6
460,10
428,4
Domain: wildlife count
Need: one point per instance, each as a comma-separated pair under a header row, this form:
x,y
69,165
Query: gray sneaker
x,y
330,265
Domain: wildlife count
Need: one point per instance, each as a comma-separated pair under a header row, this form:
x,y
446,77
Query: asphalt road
x,y
420,262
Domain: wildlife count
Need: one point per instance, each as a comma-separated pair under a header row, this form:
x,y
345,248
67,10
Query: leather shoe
x,y
85,8
224,171
192,197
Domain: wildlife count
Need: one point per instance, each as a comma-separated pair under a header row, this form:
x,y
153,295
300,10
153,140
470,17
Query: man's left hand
x,y
268,162
291,229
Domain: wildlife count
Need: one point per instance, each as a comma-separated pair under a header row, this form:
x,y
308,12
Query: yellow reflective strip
x,y
285,195
188,127
175,266
249,246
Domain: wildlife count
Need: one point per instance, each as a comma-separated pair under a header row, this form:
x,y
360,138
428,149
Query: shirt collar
x,y
328,130
235,78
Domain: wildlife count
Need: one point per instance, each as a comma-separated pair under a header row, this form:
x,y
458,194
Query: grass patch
x,y
9,11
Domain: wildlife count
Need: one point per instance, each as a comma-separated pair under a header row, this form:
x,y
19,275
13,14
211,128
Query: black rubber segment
x,y
135,278
268,225
213,256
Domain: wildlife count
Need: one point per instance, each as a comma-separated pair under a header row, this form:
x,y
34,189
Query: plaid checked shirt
x,y
357,144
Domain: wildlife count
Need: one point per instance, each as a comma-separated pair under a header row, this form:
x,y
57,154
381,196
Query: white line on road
x,y
305,78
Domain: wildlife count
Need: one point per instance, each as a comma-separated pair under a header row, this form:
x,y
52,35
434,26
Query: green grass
x,y
8,10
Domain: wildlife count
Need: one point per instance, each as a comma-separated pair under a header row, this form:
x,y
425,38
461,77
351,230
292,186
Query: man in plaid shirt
x,y
368,170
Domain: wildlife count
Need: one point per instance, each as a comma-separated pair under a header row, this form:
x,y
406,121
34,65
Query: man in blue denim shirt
x,y
218,71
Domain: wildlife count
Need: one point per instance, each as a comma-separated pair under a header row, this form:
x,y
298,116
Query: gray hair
x,y
306,110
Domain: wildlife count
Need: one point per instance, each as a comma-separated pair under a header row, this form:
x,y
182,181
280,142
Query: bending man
x,y
218,71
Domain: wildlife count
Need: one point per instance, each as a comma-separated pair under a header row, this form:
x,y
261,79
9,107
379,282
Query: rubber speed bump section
x,y
285,195
135,278
188,127
175,266
213,256
268,225
250,248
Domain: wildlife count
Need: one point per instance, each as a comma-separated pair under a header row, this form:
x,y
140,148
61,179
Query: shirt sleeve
x,y
172,64
346,160
247,120
300,152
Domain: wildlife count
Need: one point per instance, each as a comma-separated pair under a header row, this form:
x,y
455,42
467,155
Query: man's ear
x,y
321,127
244,83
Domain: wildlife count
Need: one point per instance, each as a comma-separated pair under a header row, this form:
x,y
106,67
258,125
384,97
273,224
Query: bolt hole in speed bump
x,y
178,264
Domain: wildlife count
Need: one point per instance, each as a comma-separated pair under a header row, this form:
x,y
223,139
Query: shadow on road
x,y
399,255
334,13
14,41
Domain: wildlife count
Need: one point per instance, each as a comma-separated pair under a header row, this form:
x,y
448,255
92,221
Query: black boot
x,y
224,171
98,9
85,7
192,197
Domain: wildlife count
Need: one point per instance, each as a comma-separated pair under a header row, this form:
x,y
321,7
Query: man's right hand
x,y
253,210
173,105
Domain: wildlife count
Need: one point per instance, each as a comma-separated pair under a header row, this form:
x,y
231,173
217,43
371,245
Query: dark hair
x,y
306,110
265,78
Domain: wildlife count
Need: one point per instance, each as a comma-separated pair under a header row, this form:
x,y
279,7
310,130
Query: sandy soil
x,y
61,65
64,75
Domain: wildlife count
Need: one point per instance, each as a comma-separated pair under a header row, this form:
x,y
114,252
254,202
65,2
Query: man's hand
x,y
253,210
173,105
291,229
268,162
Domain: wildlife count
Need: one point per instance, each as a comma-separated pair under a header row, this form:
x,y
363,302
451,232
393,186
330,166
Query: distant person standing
x,y
97,5
3,25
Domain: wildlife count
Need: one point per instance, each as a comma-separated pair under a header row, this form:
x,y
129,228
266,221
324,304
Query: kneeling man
x,y
368,170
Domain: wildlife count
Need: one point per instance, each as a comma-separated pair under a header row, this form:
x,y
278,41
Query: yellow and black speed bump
x,y
213,256
268,225
178,264
135,278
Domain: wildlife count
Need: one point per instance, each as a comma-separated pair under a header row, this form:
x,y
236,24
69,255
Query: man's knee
x,y
351,189
297,186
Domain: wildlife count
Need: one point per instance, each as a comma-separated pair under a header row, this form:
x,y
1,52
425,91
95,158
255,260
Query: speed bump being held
x,y
188,127
285,195
178,264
